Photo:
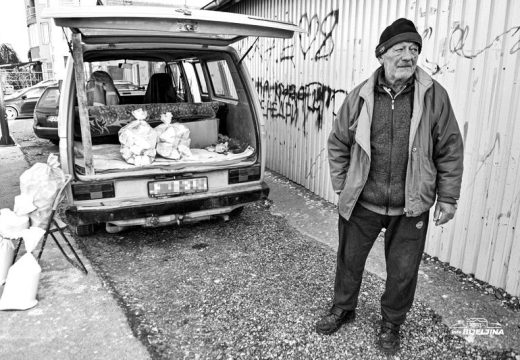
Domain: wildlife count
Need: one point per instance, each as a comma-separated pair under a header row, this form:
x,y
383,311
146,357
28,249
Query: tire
x,y
82,230
10,113
236,212
55,141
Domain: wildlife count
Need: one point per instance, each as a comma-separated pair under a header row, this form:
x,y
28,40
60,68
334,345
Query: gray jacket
x,y
435,149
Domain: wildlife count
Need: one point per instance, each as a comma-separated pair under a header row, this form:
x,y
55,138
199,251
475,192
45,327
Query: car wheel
x,y
55,141
10,113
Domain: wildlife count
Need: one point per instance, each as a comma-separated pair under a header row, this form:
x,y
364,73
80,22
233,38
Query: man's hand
x,y
443,213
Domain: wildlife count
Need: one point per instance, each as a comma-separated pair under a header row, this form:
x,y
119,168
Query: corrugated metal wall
x,y
471,47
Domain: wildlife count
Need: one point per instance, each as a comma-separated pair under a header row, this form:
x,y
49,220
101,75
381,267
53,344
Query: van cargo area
x,y
217,113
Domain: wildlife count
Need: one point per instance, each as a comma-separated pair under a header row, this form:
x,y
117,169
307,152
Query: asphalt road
x,y
250,288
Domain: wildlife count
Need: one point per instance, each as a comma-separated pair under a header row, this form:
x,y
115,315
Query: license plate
x,y
52,118
168,188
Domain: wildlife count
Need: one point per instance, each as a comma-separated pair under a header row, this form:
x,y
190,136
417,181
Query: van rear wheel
x,y
236,212
82,230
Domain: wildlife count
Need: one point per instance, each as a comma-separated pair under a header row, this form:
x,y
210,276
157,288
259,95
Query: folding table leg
x,y
17,249
81,265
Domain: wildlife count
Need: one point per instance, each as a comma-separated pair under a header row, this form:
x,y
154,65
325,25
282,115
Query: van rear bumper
x,y
94,215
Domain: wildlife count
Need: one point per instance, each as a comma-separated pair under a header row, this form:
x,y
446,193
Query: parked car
x,y
196,77
21,103
46,114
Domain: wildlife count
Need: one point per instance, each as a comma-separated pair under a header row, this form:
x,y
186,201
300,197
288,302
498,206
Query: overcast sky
x,y
13,26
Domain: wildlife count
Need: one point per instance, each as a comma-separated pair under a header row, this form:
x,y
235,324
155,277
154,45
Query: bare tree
x,y
8,55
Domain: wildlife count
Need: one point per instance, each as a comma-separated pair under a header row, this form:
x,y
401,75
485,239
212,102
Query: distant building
x,y
48,43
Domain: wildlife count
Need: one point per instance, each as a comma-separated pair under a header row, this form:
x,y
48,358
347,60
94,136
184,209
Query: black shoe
x,y
331,322
389,338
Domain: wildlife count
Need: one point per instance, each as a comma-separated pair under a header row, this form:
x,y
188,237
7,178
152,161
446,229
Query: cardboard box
x,y
203,132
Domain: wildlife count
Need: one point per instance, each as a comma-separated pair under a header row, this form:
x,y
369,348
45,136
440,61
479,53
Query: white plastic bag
x,y
173,140
6,257
138,140
41,183
21,285
12,225
23,204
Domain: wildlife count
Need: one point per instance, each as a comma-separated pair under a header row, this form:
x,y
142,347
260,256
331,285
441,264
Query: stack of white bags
x,y
39,186
140,143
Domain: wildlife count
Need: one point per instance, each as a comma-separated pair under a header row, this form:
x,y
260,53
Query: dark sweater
x,y
389,136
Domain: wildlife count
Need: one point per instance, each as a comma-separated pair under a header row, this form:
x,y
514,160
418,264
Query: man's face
x,y
400,61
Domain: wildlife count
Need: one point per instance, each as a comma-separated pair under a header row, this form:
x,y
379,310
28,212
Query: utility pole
x,y
6,139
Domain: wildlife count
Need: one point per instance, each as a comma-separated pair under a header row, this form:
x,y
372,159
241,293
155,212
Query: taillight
x,y
52,119
93,191
241,175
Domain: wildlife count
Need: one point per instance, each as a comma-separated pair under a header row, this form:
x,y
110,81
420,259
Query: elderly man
x,y
394,149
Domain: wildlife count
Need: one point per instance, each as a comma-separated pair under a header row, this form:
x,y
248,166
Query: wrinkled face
x,y
400,61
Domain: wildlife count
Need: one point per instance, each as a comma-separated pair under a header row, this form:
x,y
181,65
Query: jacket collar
x,y
422,81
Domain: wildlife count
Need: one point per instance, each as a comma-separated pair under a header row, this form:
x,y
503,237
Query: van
x,y
180,65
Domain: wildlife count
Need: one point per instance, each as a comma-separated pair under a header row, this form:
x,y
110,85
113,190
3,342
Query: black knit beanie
x,y
399,31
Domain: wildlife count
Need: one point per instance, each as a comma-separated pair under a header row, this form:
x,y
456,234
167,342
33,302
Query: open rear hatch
x,y
123,24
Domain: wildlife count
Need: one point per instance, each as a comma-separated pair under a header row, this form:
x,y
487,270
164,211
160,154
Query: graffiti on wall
x,y
457,45
315,45
318,43
293,103
460,34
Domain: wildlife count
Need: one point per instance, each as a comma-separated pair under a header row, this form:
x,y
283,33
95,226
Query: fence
x,y
23,79
471,47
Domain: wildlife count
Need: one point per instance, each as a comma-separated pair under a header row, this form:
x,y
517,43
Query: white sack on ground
x,y
23,204
12,225
138,140
42,182
173,140
6,257
21,285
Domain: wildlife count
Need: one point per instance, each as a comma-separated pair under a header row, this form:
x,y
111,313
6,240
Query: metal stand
x,y
52,227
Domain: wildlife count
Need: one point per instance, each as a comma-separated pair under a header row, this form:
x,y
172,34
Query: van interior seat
x,y
109,119
101,90
160,89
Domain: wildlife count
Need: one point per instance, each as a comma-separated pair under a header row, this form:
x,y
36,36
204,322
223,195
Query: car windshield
x,y
49,98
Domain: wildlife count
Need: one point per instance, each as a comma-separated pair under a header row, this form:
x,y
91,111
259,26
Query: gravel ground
x,y
251,288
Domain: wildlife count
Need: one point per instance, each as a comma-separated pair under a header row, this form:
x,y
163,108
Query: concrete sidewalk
x,y
439,289
76,317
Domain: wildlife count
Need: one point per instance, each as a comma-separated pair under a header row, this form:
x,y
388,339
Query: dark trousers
x,y
404,245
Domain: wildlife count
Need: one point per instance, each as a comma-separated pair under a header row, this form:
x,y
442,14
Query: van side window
x,y
221,79
179,82
201,78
